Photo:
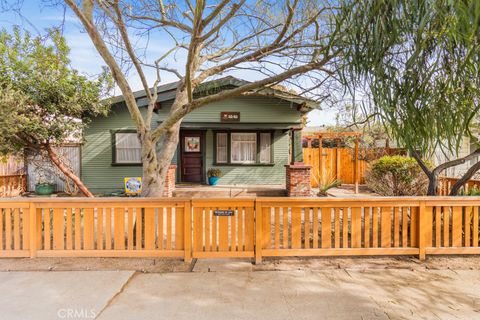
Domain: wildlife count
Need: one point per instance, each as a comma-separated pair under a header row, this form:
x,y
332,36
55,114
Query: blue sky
x,y
36,17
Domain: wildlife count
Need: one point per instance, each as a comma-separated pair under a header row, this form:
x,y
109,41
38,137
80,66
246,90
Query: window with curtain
x,y
127,148
222,148
243,147
265,147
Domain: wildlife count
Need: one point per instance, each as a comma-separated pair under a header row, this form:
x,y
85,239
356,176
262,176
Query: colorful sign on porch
x,y
133,185
230,116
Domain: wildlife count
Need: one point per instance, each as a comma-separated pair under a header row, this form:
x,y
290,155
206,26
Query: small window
x,y
244,147
127,148
265,145
222,148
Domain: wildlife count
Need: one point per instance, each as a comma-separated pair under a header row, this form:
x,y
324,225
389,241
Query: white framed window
x,y
222,147
127,148
265,147
243,147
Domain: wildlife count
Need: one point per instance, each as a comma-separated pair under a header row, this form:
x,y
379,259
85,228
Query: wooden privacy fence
x,y
446,184
261,227
13,185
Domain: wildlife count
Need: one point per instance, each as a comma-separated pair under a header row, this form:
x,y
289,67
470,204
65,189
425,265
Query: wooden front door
x,y
192,145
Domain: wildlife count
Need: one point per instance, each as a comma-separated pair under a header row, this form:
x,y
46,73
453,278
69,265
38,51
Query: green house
x,y
249,138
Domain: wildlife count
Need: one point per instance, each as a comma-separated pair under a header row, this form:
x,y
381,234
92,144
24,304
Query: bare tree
x,y
278,41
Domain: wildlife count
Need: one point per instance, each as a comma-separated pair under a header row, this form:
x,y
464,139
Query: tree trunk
x,y
150,181
67,172
157,158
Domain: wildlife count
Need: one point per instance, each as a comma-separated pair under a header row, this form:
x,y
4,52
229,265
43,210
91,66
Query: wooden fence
x,y
335,163
13,185
446,184
261,227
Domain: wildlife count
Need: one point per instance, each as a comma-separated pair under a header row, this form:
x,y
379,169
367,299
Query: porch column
x,y
170,181
298,180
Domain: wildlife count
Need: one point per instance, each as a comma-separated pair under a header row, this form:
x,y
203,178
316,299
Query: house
x,y
249,138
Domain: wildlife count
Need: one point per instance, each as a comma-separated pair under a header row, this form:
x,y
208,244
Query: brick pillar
x,y
170,181
298,180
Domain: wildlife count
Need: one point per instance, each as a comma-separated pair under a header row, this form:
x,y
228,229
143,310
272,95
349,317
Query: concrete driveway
x,y
242,294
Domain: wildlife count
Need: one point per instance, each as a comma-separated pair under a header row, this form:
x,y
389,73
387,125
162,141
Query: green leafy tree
x,y
419,62
43,102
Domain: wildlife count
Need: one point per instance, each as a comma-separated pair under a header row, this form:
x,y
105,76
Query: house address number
x,y
230,116
223,213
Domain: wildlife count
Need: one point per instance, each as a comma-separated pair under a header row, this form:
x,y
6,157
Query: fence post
x,y
32,216
187,231
258,232
423,228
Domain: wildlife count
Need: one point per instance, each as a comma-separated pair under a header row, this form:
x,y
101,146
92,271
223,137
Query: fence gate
x,y
223,228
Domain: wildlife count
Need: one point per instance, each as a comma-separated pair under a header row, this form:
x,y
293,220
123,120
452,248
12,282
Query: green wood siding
x,y
256,175
100,176
252,110
97,170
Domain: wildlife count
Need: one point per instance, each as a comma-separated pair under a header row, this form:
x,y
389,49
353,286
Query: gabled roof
x,y
167,92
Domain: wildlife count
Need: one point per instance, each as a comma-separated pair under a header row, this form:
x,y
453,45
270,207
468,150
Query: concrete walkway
x,y
305,294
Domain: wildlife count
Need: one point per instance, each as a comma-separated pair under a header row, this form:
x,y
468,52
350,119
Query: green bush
x,y
396,176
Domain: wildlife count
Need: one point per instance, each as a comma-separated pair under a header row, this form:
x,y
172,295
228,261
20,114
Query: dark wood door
x,y
192,145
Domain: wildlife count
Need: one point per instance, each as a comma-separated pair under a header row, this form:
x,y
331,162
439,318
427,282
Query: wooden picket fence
x,y
232,228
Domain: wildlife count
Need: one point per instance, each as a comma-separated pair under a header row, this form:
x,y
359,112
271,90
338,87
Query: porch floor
x,y
229,191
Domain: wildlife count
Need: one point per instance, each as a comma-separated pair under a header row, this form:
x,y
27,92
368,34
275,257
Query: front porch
x,y
229,191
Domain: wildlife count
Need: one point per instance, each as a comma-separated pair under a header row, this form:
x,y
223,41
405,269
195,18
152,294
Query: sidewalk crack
x,y
119,292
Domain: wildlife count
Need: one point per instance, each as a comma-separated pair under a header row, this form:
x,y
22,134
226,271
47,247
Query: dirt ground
x,y
167,265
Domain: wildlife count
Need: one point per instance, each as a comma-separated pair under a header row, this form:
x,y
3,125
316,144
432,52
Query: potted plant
x,y
44,185
213,176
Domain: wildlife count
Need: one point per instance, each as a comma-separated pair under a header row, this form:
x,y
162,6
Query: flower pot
x,y
213,181
44,189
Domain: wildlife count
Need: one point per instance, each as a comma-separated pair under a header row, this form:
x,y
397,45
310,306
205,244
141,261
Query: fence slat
x,y
446,226
277,227
179,221
119,228
326,228
338,235
356,227
386,227
249,228
297,228
138,228
457,227
438,226
150,228
396,227
58,229
344,227
88,228
16,229
169,229
475,227
99,240
286,227
468,221
366,213
375,227
108,228
47,234
69,229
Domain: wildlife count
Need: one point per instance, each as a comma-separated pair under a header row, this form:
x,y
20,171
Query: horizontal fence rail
x,y
233,228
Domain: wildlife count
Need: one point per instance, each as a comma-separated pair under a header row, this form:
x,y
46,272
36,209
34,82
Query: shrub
x,y
396,176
